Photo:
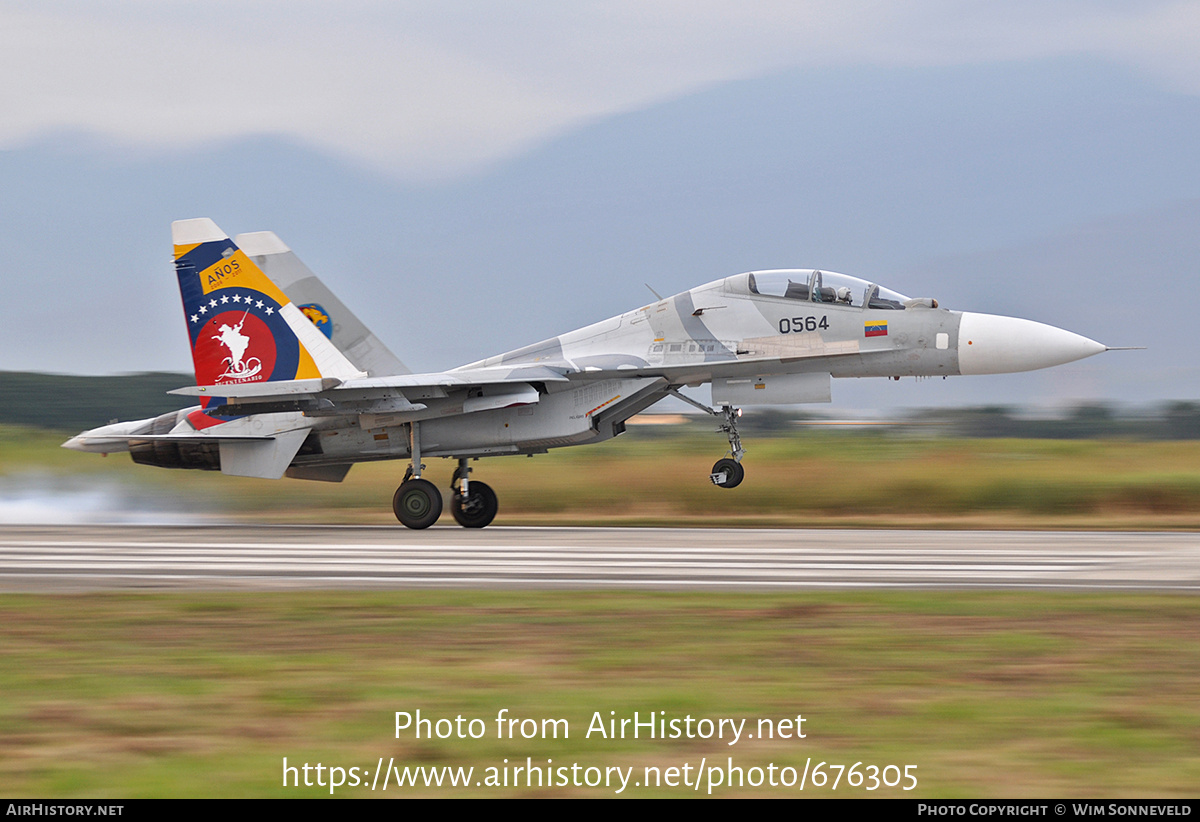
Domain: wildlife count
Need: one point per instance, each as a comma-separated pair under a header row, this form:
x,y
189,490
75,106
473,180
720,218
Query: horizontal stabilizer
x,y
112,443
279,388
199,437
267,459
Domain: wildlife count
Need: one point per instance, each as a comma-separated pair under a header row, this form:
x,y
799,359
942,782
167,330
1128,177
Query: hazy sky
x,y
433,89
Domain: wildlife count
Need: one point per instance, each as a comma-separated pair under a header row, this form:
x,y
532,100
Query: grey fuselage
x,y
757,348
759,338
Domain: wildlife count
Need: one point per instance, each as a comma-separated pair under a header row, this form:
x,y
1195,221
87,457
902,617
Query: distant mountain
x,y
863,168
1040,188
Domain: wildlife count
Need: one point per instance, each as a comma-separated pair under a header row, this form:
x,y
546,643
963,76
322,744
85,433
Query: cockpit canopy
x,y
813,285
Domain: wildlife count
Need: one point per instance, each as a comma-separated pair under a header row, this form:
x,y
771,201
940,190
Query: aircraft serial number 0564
x,y
798,324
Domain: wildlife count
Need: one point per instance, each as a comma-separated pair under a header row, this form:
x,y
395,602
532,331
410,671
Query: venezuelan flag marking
x,y
875,328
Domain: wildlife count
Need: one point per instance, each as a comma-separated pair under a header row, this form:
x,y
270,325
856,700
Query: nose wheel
x,y
727,473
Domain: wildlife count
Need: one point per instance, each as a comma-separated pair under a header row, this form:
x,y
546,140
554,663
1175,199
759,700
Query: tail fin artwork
x,y
242,327
319,304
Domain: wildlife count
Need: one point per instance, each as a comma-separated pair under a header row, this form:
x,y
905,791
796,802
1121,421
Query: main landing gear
x,y
418,503
728,471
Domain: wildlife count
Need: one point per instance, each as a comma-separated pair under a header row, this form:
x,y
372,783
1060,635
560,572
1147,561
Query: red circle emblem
x,y
234,347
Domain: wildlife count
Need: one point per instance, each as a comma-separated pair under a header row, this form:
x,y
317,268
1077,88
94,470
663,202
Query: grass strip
x,y
989,694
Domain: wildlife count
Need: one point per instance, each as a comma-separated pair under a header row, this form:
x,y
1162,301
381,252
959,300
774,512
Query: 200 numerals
x,y
870,777
790,325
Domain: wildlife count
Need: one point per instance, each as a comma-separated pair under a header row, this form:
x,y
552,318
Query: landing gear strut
x,y
417,503
474,503
728,471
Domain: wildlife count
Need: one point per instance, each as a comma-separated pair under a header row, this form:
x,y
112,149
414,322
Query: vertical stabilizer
x,y
241,326
319,304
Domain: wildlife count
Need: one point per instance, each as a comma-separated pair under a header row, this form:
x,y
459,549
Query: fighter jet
x,y
291,383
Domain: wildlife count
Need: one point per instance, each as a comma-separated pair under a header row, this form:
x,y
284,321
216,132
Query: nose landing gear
x,y
728,471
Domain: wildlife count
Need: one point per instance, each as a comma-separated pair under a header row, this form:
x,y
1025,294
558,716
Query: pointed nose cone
x,y
988,344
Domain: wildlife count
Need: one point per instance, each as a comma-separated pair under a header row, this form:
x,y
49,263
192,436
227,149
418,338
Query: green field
x,y
989,695
648,477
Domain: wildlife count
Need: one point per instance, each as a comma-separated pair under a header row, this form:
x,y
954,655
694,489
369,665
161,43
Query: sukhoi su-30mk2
x,y
291,383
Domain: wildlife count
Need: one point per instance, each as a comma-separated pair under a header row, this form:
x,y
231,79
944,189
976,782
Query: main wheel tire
x,y
417,503
479,507
733,471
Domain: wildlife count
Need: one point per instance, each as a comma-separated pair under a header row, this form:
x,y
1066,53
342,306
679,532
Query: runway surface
x,y
256,557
